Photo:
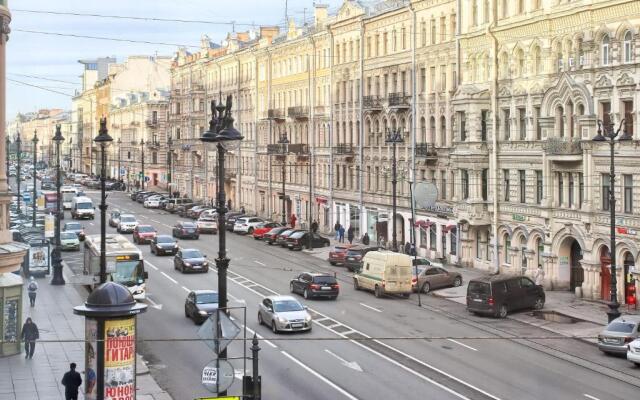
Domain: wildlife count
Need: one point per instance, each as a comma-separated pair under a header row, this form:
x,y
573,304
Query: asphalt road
x,y
361,347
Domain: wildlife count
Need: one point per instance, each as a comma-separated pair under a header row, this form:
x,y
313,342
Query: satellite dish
x,y
425,194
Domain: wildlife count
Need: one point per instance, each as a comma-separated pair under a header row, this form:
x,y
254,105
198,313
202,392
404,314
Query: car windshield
x,y
325,280
207,298
287,305
286,233
191,254
164,239
420,269
275,230
354,252
68,235
126,218
339,248
115,215
84,206
297,235
621,326
72,227
146,229
479,287
188,225
207,220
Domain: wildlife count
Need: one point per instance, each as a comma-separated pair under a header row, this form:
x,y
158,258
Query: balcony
x,y
276,148
426,151
371,103
398,100
320,111
301,150
197,87
152,123
153,145
298,112
134,123
344,149
558,149
275,113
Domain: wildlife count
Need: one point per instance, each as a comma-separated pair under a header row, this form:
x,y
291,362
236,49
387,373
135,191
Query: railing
x,y
558,146
425,150
320,111
276,148
343,149
398,99
152,123
153,145
299,148
371,103
275,113
298,112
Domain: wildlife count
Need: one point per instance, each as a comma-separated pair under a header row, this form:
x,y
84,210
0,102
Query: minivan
x,y
497,295
384,272
172,204
82,207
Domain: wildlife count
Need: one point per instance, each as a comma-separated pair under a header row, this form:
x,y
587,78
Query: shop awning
x,y
424,224
449,228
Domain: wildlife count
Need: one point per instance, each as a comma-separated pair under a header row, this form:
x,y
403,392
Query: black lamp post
x,y
393,138
103,140
8,151
119,141
70,165
56,258
610,134
35,174
142,160
18,170
226,137
170,167
284,141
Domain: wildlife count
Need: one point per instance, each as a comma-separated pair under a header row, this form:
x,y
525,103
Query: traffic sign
x,y
218,331
217,376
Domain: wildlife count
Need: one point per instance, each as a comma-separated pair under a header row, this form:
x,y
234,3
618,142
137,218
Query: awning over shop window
x,y
424,224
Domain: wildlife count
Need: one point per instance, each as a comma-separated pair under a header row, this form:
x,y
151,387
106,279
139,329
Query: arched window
x,y
537,61
559,122
507,247
504,66
605,50
423,129
432,130
628,57
520,62
443,131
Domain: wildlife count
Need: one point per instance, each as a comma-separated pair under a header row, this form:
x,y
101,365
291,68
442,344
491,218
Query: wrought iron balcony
x,y
300,149
153,145
562,147
298,112
342,149
371,103
398,100
276,148
426,150
320,111
152,123
275,113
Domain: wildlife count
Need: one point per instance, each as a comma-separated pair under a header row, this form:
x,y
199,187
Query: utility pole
x,y
394,138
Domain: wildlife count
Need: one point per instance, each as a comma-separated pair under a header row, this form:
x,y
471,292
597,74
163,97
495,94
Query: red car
x,y
144,234
259,231
271,236
338,253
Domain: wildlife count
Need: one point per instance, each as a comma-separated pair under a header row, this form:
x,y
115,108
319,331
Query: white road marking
x,y
169,278
151,265
91,223
154,304
186,289
259,263
588,396
251,331
369,307
157,222
317,375
462,344
168,226
349,364
143,216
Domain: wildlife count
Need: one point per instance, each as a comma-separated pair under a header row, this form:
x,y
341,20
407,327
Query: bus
x,y
68,193
124,263
50,201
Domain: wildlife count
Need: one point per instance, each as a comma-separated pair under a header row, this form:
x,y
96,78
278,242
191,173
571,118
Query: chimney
x,y
320,13
269,32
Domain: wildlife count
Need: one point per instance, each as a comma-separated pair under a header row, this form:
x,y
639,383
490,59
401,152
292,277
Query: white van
x,y
68,193
384,272
82,207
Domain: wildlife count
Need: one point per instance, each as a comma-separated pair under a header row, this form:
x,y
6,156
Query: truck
x,y
82,208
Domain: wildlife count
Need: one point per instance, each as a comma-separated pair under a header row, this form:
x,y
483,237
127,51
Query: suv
x,y
247,224
497,295
313,284
354,256
231,220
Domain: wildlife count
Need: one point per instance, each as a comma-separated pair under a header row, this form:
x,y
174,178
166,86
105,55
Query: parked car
x,y
260,230
497,295
354,256
133,195
163,244
185,230
173,204
207,225
143,195
338,253
74,227
200,304
194,212
112,185
313,284
153,201
69,241
300,239
246,224
271,236
281,239
616,337
384,272
114,219
144,234
431,277
184,209
190,260
231,220
127,224
284,313
633,352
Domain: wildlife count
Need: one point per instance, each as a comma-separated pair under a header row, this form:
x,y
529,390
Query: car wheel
x,y
356,286
274,328
502,311
457,282
260,321
197,237
291,288
539,304
425,288
306,294
377,291
332,262
250,231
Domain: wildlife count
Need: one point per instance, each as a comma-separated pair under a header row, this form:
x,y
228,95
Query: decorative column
x,y
565,190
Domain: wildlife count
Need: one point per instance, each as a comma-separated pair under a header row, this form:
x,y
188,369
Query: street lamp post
x,y
170,166
103,139
393,138
142,160
8,151
226,137
610,134
119,141
35,173
284,141
70,165
56,258
18,170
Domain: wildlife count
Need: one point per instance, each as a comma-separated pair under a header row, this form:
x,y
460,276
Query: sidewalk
x,y
39,378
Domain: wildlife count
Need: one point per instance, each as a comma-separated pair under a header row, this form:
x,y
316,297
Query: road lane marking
x,y
151,265
317,375
259,263
462,344
91,223
349,364
168,226
369,307
143,216
588,396
168,277
154,304
157,222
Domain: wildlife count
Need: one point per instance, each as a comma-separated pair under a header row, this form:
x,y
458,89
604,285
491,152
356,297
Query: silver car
x,y
284,313
616,337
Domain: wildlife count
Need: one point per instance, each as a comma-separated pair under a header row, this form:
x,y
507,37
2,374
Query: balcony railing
x,y
275,113
558,146
343,149
320,111
299,149
426,150
371,103
276,148
153,145
298,112
398,100
152,123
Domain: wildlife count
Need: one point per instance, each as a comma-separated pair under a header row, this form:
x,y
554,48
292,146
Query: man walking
x,y
341,234
71,382
314,226
29,335
350,234
336,228
33,289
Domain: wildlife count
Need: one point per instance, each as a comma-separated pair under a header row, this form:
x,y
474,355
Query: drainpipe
x,y
269,106
331,110
494,124
361,133
414,95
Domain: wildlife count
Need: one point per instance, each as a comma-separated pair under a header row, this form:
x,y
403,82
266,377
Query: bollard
x,y
256,378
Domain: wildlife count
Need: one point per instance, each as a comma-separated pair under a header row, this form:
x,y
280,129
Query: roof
x,y
281,298
205,291
496,278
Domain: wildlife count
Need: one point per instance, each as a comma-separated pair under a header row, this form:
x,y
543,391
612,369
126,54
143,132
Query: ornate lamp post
x,y
119,142
18,168
610,134
284,141
226,137
103,140
56,259
393,138
8,152
35,174
170,167
70,165
142,160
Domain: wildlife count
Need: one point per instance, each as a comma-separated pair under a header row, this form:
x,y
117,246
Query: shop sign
x,y
625,231
440,209
518,217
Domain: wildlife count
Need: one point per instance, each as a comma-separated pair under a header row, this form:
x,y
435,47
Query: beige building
x,y
43,124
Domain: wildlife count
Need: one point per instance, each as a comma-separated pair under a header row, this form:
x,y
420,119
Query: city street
x,y
361,347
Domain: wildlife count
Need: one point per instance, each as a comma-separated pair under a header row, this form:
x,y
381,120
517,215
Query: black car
x,y
190,260
163,244
200,304
310,284
498,294
231,220
138,195
184,209
47,185
112,185
271,236
185,230
135,194
300,239
354,256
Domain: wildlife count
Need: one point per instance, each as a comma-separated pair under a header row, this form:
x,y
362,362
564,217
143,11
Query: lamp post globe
x,y
56,259
103,140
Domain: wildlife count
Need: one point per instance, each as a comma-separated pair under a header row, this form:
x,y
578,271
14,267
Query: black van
x,y
497,295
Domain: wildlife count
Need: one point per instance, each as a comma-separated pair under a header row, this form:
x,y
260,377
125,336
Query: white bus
x,y
68,193
124,263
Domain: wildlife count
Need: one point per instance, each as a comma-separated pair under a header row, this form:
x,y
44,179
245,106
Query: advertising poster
x,y
39,259
119,359
49,225
90,363
10,323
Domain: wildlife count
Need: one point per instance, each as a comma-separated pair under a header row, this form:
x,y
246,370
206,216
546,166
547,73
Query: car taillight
x,y
490,301
335,286
628,339
314,286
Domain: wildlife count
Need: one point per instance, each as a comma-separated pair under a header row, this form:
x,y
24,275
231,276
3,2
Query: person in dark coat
x,y
71,382
365,238
341,234
314,226
29,334
350,234
336,228
407,248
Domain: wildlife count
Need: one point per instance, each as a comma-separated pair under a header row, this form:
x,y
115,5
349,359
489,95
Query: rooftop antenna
x,y
286,12
304,16
233,26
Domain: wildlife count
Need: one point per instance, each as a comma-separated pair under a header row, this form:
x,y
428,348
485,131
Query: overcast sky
x,y
55,57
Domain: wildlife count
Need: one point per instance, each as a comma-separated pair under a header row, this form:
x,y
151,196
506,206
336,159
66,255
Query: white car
x,y
207,225
153,202
69,241
246,224
127,223
212,213
633,352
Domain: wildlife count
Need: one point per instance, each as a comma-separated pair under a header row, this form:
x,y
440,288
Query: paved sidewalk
x,y
39,378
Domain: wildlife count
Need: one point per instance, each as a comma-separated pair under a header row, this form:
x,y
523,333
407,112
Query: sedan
x,y
144,234
185,230
311,284
338,253
260,230
271,236
207,225
200,304
163,244
284,313
283,236
74,227
190,260
633,352
114,219
616,337
153,201
127,223
300,239
69,241
430,278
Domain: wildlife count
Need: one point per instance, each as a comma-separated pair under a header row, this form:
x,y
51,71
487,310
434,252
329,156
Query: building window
x,y
474,12
560,188
443,175
523,187
484,117
478,245
485,184
536,111
538,187
580,189
627,180
423,33
540,250
433,31
505,8
432,77
404,38
443,78
627,105
507,247
453,238
432,237
605,116
485,11
505,174
606,181
506,115
462,126
605,50
522,123
465,184
571,185
628,56
423,80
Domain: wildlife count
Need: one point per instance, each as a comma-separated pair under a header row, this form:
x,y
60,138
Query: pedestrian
x,y
33,289
407,248
540,275
336,228
242,210
413,250
341,234
314,226
365,238
71,382
29,335
293,220
229,205
350,234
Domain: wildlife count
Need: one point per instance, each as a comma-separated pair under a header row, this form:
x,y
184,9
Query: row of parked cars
x,y
94,182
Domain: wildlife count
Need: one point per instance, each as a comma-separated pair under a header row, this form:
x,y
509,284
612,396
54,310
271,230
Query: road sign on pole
x,y
218,331
217,376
